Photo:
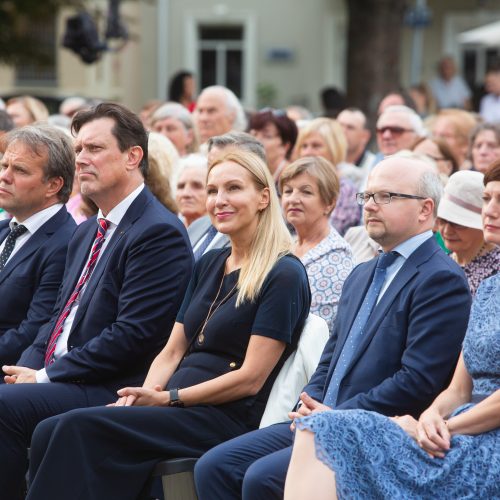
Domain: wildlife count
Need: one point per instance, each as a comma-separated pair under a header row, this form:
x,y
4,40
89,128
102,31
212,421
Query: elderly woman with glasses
x,y
459,222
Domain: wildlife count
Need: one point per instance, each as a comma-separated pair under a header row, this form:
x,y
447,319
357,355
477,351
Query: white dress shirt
x,y
32,224
404,249
114,217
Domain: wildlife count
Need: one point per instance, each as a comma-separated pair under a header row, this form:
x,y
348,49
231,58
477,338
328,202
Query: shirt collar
x,y
36,221
117,213
406,248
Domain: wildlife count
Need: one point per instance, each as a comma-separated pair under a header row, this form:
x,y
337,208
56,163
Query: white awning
x,y
489,35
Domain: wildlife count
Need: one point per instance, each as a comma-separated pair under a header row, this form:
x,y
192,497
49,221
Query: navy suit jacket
x,y
412,340
129,306
29,283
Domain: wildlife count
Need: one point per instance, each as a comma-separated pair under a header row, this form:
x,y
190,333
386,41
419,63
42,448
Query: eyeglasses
x,y
395,131
383,197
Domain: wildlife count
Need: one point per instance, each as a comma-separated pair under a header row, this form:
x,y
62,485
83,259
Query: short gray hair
x,y
415,121
232,104
43,138
240,140
430,186
181,113
174,110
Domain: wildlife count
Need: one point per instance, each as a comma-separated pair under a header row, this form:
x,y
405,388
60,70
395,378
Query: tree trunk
x,y
374,44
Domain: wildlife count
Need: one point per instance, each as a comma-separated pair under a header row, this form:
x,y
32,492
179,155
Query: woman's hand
x,y
141,396
432,433
408,424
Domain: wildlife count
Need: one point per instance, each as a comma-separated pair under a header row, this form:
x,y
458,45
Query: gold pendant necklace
x,y
201,335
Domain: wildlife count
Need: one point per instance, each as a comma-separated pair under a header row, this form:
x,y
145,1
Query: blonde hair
x,y
272,239
331,132
319,168
462,122
162,156
36,108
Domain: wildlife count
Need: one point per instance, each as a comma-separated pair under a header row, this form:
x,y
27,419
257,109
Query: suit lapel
x,y
79,259
403,276
33,243
133,213
356,298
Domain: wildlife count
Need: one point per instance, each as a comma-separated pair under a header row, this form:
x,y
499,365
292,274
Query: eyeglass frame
x,y
360,197
394,130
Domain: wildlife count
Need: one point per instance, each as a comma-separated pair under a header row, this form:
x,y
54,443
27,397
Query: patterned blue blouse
x,y
328,264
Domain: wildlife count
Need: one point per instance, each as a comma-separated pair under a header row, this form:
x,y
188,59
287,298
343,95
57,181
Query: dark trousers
x,y
22,407
103,453
252,466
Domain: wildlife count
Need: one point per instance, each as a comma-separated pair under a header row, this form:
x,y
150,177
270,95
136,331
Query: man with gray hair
x,y
202,234
217,112
36,178
398,127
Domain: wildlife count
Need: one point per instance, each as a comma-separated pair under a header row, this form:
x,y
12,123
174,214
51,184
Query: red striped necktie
x,y
102,227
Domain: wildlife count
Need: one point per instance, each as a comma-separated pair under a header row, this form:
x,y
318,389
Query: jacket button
x,y
232,364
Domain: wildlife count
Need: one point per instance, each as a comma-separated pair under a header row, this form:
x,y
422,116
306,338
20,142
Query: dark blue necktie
x,y
210,235
10,243
358,327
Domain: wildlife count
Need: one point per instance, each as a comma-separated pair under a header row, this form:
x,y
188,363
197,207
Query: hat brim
x,y
459,215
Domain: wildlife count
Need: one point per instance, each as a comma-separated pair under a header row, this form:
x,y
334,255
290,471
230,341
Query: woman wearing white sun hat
x,y
459,222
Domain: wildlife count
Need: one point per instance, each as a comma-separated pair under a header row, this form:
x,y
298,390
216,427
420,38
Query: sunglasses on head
x,y
275,112
393,130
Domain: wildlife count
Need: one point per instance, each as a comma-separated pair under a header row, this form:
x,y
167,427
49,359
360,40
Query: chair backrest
x,y
296,371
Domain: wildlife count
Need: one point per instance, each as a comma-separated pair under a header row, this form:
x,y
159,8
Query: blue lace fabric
x,y
373,458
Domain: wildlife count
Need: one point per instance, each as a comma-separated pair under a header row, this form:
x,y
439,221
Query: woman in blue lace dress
x,y
452,452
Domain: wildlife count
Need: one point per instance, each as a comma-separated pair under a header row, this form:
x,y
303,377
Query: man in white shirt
x,y
490,103
124,281
36,178
449,88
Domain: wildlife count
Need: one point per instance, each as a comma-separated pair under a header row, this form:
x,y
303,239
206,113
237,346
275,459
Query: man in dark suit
x,y
397,334
124,281
36,178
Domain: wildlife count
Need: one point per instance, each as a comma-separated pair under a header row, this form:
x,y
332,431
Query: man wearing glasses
x,y
400,324
398,127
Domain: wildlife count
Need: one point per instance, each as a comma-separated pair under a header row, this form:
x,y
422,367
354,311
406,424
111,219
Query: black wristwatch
x,y
174,398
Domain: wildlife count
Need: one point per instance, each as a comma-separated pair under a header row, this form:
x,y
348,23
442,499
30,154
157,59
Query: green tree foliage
x,y
18,22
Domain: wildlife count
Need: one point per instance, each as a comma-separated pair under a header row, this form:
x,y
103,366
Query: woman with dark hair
x,y
278,134
181,89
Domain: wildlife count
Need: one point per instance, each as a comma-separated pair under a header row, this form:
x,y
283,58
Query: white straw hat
x,y
462,199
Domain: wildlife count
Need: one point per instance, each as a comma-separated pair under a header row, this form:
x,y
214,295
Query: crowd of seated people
x,y
158,271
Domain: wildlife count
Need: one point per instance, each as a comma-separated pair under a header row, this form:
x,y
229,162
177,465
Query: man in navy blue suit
x,y
405,353
124,281
36,179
